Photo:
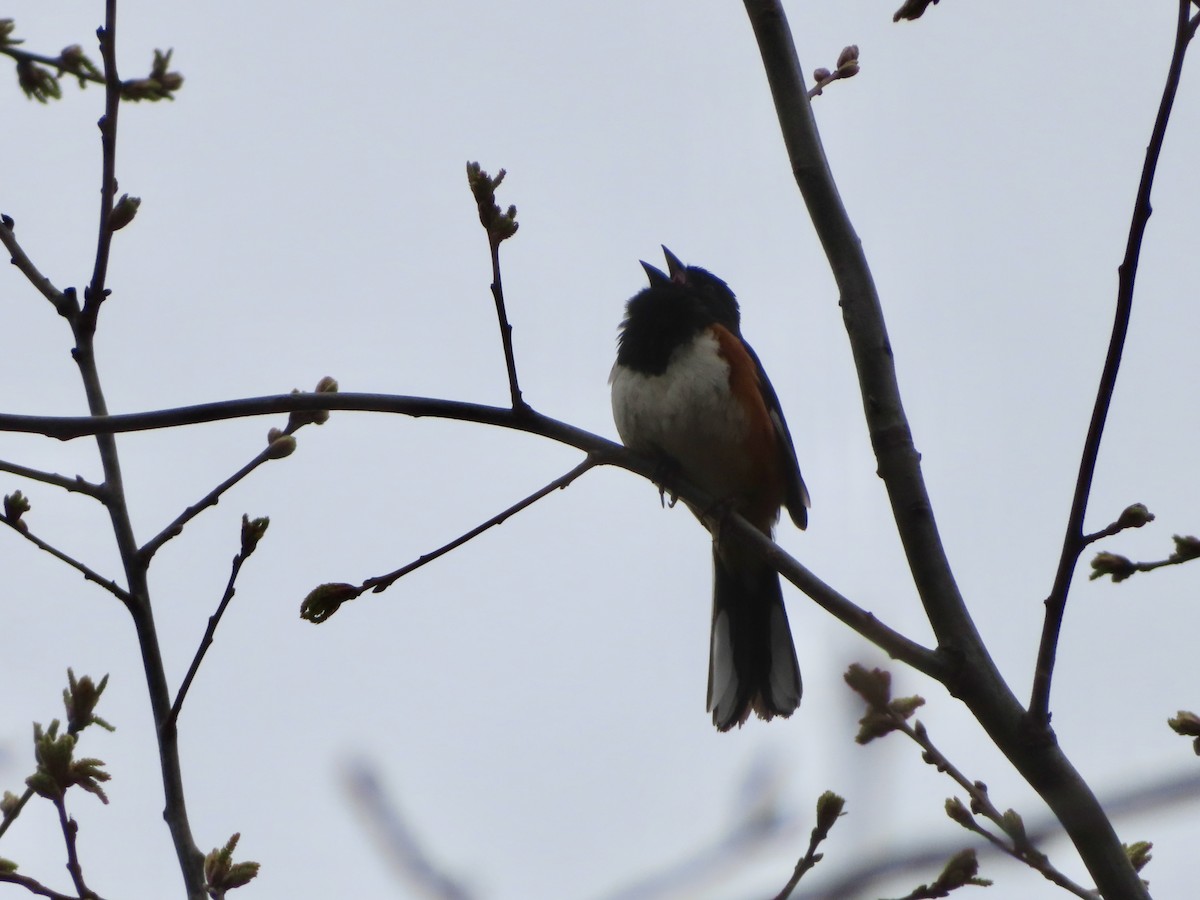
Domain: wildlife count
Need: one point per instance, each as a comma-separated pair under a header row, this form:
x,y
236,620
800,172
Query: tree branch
x,y
21,528
64,301
77,484
83,326
383,582
971,674
214,620
1074,541
36,887
70,829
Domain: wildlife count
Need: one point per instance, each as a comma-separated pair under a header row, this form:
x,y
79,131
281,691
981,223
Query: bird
x,y
688,391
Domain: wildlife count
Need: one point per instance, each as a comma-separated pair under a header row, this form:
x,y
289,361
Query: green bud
x,y
959,812
222,874
252,532
874,686
284,445
80,699
1135,516
1185,723
15,506
829,810
9,805
324,600
1185,548
906,706
124,212
1138,854
1111,564
958,872
58,770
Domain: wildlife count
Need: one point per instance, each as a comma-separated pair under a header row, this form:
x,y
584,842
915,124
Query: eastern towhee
x,y
688,389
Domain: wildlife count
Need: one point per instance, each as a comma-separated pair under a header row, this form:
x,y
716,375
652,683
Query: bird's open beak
x,y
657,276
677,270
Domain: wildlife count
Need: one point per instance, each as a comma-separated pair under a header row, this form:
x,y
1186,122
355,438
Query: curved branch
x,y
1074,541
899,461
601,451
971,675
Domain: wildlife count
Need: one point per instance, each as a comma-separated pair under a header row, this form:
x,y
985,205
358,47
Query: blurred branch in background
x,y
396,839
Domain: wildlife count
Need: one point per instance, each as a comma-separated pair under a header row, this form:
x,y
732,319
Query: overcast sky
x,y
534,703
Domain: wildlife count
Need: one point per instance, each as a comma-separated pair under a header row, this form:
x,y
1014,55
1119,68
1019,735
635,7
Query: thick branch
x,y
1074,541
899,462
972,675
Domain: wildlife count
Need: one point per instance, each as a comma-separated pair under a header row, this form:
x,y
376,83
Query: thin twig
x,y
1074,541
383,582
36,887
55,62
108,584
64,303
77,484
510,363
1019,847
205,642
15,812
810,858
153,545
97,290
70,829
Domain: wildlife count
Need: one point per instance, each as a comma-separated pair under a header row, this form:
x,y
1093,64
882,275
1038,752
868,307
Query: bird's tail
x,y
752,663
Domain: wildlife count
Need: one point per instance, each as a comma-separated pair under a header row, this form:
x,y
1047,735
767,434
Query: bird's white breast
x,y
688,413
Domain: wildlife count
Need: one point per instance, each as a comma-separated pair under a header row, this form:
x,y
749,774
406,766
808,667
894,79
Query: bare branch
x,y
70,828
36,887
401,845
21,528
325,600
1074,540
252,531
77,484
64,301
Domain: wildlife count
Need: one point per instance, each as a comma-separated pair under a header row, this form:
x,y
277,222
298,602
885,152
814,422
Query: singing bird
x,y
689,390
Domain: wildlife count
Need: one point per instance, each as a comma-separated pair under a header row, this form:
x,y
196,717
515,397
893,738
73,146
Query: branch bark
x,y
970,673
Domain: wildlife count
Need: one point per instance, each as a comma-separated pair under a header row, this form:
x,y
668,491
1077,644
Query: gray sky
x,y
535,702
